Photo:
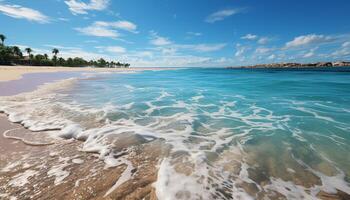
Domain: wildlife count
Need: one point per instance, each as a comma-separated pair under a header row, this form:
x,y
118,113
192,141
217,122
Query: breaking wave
x,y
226,143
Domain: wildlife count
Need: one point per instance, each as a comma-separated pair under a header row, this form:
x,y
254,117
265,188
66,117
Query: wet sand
x,y
61,171
47,168
29,82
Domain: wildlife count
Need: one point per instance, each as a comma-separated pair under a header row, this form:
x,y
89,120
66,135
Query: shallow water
x,y
31,81
234,133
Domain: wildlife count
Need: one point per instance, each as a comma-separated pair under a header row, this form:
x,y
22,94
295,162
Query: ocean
x,y
231,134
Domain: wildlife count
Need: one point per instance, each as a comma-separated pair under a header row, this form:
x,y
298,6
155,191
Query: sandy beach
x,y
46,168
59,170
8,73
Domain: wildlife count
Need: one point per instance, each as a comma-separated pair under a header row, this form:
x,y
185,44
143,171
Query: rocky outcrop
x,y
298,65
341,64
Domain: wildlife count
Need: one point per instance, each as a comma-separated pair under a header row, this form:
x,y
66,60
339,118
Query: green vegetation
x,y
12,55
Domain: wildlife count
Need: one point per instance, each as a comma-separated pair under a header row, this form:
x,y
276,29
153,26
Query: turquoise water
x,y
233,133
289,125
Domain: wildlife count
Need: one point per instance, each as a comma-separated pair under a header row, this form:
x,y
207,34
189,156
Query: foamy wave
x,y
210,143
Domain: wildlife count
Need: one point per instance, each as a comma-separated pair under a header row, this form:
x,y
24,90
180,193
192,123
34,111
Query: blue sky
x,y
177,33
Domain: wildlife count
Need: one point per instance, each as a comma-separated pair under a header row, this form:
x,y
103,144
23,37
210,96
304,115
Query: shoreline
x,y
48,167
39,167
10,73
60,171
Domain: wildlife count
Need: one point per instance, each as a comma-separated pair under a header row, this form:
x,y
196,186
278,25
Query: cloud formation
x,y
262,50
19,12
158,40
263,40
98,31
79,7
107,29
306,40
123,25
310,53
249,37
240,50
221,15
115,49
343,51
201,47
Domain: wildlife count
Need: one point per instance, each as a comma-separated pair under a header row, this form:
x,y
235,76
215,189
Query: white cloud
x,y
346,44
263,40
204,47
113,49
124,25
107,29
98,31
260,40
240,50
311,53
343,51
20,12
79,7
262,50
158,40
249,37
308,40
221,15
173,47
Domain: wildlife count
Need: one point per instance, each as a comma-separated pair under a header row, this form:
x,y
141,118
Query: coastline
x,y
292,65
41,168
9,73
51,167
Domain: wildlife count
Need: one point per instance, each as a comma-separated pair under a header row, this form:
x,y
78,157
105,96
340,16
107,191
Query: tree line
x,y
13,55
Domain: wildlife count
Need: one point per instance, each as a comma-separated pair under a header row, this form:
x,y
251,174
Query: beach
x,y
38,166
148,100
8,73
54,170
158,134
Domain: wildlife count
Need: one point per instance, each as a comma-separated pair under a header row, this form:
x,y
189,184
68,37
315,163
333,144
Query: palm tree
x,y
55,51
29,51
2,38
17,51
46,56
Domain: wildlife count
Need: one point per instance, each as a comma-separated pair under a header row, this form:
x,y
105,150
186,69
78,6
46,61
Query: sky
x,y
182,33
